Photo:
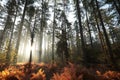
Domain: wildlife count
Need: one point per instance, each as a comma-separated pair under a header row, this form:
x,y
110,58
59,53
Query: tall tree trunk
x,y
41,32
32,39
101,38
53,36
8,55
87,21
106,36
10,11
64,34
20,29
40,50
89,31
77,38
81,31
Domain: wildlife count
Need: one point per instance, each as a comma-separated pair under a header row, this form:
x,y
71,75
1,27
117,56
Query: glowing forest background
x,y
65,34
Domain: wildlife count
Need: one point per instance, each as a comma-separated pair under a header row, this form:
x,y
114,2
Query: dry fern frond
x,y
40,75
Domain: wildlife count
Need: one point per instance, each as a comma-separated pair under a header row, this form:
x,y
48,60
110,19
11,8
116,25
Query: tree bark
x,y
20,29
41,33
8,55
53,36
106,37
81,31
101,37
89,31
4,31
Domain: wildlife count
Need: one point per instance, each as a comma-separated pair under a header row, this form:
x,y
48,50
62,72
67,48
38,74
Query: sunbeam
x,y
24,51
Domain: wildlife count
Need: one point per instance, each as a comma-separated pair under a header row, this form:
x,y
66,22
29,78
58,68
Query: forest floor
x,y
44,71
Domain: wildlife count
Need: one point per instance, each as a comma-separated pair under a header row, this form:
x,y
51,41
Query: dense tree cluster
x,y
78,31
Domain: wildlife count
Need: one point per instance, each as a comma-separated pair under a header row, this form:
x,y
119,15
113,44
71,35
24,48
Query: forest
x,y
59,39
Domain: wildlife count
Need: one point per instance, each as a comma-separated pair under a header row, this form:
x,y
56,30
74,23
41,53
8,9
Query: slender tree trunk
x,y
2,36
101,38
4,31
40,50
10,11
20,29
81,31
116,6
89,31
87,20
64,33
113,42
106,36
41,33
32,35
77,38
32,39
66,53
53,36
8,55
15,56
